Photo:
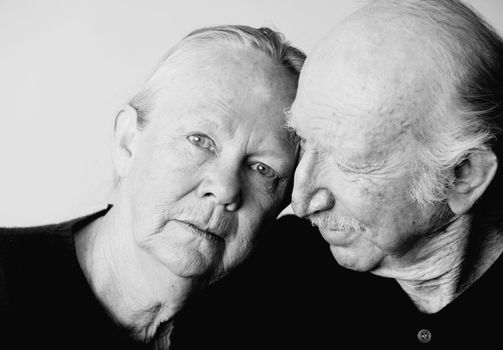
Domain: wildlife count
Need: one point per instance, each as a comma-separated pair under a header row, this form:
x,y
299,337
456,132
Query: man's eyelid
x,y
274,173
345,167
272,169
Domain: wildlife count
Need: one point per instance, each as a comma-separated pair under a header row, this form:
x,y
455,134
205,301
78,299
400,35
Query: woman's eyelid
x,y
204,141
203,138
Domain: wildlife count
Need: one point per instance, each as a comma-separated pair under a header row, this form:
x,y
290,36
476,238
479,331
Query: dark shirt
x,y
290,294
293,295
45,300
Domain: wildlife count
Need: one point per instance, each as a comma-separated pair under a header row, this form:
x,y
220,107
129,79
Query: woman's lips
x,y
213,236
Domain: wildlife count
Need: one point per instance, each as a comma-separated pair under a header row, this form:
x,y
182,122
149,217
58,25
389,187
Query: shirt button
x,y
424,336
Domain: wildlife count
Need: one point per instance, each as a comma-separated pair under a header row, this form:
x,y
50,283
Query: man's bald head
x,y
422,73
399,108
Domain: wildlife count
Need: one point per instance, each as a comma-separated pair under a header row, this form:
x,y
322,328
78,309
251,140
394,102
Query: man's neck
x,y
437,272
138,292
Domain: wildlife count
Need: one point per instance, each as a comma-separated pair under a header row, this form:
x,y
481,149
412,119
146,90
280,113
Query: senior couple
x,y
388,143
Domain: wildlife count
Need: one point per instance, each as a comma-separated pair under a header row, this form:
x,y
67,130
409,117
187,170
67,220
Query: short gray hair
x,y
466,93
266,40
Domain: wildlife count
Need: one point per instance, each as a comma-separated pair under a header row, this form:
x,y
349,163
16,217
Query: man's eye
x,y
263,170
202,141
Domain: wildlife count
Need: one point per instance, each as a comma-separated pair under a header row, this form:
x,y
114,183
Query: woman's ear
x,y
124,140
473,176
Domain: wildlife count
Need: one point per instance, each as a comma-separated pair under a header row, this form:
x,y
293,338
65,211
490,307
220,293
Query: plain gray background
x,y
67,66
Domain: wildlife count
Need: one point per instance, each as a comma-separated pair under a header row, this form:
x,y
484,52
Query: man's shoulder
x,y
276,298
292,230
292,223
295,243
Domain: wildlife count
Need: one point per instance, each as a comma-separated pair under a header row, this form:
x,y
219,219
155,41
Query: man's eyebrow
x,y
378,162
323,140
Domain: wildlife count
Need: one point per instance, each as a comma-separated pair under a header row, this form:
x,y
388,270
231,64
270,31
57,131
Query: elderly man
x,y
400,110
203,163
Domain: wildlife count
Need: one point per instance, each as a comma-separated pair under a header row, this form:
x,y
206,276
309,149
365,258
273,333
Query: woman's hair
x,y
265,40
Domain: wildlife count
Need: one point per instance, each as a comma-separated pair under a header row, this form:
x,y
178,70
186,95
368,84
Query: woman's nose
x,y
222,185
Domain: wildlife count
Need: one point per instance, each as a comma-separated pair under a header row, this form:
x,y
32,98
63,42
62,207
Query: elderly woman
x,y
203,164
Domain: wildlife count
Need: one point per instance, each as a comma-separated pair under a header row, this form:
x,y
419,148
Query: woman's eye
x,y
263,170
202,141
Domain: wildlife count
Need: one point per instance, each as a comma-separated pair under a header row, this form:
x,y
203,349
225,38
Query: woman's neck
x,y
138,291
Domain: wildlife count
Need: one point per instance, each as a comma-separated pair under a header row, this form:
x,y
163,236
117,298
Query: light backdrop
x,y
67,66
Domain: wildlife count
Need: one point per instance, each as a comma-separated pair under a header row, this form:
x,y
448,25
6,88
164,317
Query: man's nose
x,y
309,196
222,185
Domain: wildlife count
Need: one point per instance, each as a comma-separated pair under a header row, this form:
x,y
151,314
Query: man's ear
x,y
473,176
124,140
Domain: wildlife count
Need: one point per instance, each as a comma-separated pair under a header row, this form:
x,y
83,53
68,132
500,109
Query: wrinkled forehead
x,y
233,93
224,75
355,113
360,97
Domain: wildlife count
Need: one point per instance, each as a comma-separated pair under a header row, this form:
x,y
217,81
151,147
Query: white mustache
x,y
327,221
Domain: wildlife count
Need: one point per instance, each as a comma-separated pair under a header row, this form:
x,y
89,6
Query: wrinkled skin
x,y
356,114
213,163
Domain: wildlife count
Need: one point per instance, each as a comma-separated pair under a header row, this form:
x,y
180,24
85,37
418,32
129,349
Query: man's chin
x,y
352,259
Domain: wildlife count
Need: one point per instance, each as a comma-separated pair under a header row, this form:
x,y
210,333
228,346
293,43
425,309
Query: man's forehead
x,y
347,133
355,109
363,131
357,94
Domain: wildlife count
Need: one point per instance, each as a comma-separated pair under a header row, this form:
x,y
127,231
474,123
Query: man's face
x,y
214,162
355,114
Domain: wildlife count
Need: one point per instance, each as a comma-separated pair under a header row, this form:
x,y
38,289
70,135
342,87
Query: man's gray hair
x,y
466,94
266,40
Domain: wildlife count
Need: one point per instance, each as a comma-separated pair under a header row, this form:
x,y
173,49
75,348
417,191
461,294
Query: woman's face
x,y
214,163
